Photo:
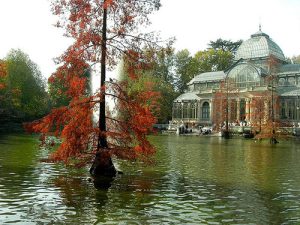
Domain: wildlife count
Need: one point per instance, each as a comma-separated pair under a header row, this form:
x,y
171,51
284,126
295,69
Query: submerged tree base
x,y
226,134
273,140
102,182
103,165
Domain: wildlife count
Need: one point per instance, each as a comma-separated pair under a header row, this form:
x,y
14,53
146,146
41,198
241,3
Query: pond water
x,y
195,180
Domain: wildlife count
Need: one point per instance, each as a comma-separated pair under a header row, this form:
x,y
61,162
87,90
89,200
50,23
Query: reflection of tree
x,y
77,193
262,162
17,167
102,182
128,191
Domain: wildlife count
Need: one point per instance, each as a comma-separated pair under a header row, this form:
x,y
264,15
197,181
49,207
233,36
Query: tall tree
x,y
224,105
163,64
269,128
258,112
162,74
225,45
103,32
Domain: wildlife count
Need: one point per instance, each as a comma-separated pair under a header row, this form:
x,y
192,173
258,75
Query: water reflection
x,y
102,183
195,181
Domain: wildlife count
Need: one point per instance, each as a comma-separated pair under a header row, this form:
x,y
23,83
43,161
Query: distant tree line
x,y
23,95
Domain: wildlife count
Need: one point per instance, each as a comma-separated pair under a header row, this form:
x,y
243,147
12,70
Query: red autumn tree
x,y
259,115
223,104
103,31
3,86
266,106
265,118
265,114
3,74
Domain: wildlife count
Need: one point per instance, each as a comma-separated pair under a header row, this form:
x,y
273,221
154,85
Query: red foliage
x,y
3,74
126,133
72,123
262,120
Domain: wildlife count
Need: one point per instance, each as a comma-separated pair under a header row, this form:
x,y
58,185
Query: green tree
x,y
212,60
186,68
26,95
161,73
163,64
296,59
168,94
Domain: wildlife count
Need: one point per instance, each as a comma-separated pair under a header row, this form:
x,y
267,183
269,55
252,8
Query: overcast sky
x,y
28,25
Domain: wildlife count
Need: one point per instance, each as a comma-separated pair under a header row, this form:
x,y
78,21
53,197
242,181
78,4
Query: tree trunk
x,y
102,165
102,141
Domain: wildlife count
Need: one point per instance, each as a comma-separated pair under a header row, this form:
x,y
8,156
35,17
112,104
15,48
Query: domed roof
x,y
259,45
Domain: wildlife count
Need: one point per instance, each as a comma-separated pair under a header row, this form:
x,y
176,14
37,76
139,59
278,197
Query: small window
x,y
205,111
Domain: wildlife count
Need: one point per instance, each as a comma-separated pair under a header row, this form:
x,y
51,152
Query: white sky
x,y
28,25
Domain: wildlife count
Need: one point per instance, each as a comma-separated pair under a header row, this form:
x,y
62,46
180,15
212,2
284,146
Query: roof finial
x,y
259,23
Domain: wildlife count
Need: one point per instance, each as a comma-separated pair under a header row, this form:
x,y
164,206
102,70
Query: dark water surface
x,y
196,180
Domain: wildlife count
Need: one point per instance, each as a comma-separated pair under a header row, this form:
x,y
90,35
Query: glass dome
x,y
259,45
245,75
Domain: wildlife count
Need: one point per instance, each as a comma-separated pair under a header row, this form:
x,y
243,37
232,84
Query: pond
x,y
195,180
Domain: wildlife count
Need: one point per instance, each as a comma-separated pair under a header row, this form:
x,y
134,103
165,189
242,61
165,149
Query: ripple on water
x,y
188,185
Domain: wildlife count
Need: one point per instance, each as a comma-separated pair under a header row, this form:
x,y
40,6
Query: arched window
x,y
292,81
283,110
281,81
193,110
185,109
205,111
177,110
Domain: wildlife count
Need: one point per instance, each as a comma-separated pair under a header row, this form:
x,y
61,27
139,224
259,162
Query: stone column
x,y
182,109
211,110
250,110
197,111
229,109
200,111
286,109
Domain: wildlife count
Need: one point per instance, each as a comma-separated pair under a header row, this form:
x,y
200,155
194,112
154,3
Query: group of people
x,y
184,128
242,123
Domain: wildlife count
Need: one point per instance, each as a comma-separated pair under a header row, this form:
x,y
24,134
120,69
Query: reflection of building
x,y
256,61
